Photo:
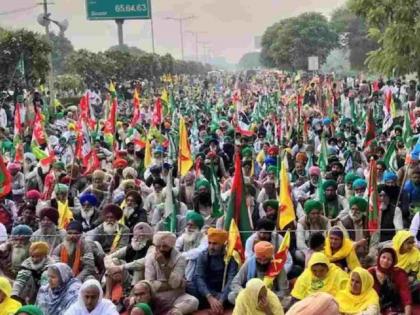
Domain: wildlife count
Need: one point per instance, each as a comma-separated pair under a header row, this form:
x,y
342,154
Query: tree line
x,y
24,62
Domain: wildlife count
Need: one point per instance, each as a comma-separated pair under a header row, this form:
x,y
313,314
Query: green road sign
x,y
118,9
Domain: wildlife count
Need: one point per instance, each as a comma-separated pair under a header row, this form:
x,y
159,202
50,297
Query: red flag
x,y
38,133
91,162
18,123
370,128
18,131
136,112
157,113
5,179
243,132
110,123
280,258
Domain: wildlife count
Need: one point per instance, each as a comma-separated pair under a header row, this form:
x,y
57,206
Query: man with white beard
x,y
33,273
15,251
155,198
133,210
48,231
192,242
89,216
132,257
111,234
76,252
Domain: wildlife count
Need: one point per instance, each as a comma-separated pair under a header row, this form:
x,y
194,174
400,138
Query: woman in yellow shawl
x,y
340,249
8,306
408,255
359,297
257,299
320,276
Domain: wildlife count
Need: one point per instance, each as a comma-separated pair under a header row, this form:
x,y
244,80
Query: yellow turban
x,y
218,236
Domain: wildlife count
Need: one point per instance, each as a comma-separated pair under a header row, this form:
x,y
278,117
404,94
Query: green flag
x,y
323,155
170,206
390,157
407,132
217,210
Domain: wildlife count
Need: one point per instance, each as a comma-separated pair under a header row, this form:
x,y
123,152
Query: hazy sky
x,y
229,26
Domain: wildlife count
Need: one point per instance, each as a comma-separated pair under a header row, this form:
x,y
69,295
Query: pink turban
x,y
314,170
318,303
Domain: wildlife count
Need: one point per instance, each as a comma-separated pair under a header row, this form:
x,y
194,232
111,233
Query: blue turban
x,y
388,175
359,183
89,198
270,161
22,230
327,121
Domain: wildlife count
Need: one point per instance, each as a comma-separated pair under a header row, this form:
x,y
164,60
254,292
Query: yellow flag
x,y
286,209
165,97
147,154
234,247
185,161
64,214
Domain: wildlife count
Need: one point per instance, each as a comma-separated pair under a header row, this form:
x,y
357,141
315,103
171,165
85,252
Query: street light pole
x,y
196,34
180,20
51,74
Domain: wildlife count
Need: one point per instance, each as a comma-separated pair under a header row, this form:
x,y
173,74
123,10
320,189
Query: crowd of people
x,y
108,208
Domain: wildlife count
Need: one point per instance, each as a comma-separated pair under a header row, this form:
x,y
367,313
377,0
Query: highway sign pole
x,y
120,23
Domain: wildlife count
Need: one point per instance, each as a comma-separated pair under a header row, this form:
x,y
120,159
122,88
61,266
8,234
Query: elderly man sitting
x,y
133,256
257,267
165,269
76,252
111,234
32,274
192,242
208,283
48,228
15,251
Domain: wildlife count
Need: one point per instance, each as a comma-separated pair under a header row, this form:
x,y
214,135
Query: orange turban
x,y
264,249
40,248
218,236
301,157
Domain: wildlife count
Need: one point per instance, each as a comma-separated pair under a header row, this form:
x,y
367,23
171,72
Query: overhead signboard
x,y
118,9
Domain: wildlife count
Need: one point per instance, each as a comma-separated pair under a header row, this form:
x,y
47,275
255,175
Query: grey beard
x,y
70,246
87,215
191,237
138,245
39,265
128,211
19,254
110,228
355,218
48,230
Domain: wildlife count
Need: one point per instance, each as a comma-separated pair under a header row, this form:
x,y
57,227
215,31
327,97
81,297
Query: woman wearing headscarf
x,y
257,299
408,255
60,292
319,276
8,306
339,249
29,310
91,301
359,297
391,284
